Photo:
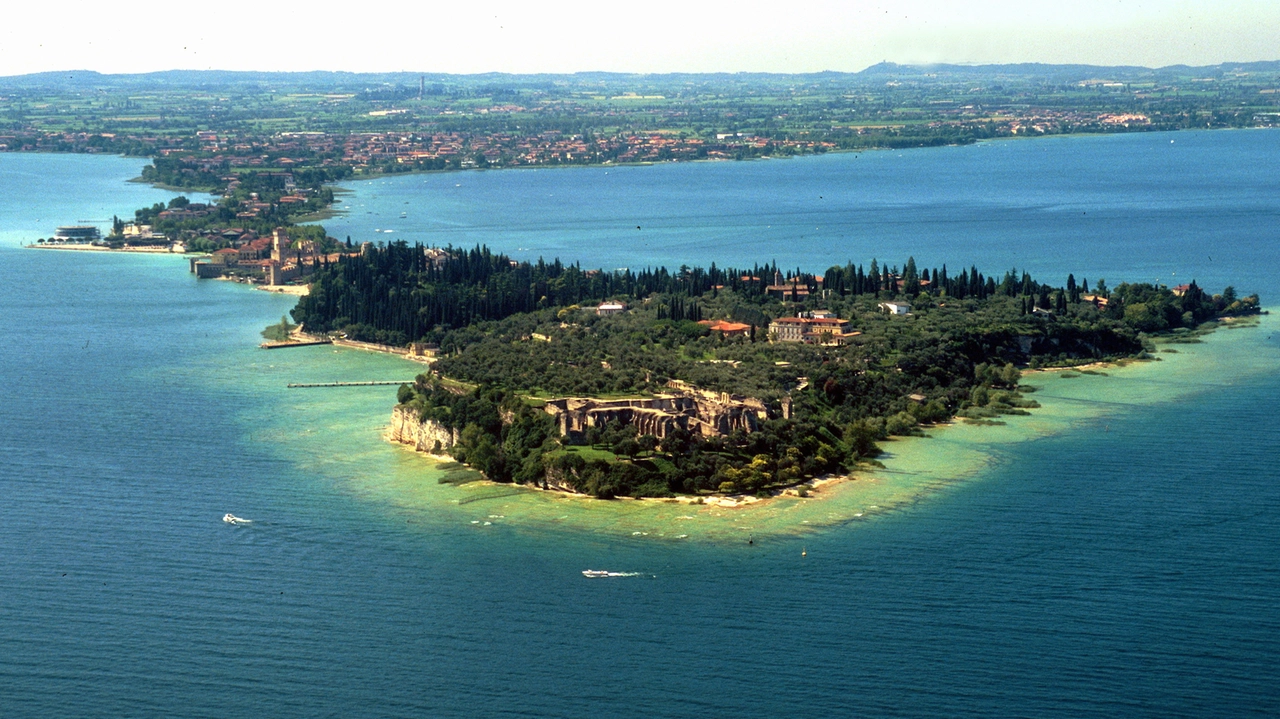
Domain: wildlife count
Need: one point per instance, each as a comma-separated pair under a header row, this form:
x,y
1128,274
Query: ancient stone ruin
x,y
700,412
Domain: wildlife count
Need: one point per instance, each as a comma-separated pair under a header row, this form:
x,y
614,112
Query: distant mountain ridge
x,y
1034,69
89,79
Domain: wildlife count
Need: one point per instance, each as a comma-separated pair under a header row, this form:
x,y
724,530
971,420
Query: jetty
x,y
291,343
369,383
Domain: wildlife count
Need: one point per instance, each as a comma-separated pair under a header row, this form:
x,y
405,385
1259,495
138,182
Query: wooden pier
x,y
371,383
304,343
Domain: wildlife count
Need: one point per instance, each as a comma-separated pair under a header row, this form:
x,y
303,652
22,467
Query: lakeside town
x,y
367,153
203,127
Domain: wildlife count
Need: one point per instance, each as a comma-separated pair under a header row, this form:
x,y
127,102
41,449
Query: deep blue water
x,y
1113,206
1124,569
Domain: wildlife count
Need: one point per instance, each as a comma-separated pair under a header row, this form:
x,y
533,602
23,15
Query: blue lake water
x,y
1111,206
1130,567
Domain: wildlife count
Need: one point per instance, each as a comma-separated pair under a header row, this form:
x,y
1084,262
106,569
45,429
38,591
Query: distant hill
x,y
1032,70
73,80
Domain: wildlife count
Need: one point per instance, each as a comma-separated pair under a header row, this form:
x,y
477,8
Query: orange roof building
x,y
727,329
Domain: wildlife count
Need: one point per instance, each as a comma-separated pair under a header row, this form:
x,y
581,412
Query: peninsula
x,y
658,382
717,380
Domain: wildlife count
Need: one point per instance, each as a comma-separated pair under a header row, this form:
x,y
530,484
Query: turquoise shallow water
x,y
1127,567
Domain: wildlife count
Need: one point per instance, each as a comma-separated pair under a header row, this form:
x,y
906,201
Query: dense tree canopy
x,y
517,332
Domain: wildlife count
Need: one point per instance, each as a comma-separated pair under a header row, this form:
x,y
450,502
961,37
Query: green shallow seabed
x,y
334,436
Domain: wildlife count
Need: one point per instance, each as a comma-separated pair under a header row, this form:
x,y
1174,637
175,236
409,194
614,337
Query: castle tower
x,y
279,245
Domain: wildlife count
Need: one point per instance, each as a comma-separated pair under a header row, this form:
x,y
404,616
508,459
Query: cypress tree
x,y
910,278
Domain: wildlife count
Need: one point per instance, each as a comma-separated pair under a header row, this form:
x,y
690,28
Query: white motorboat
x,y
230,518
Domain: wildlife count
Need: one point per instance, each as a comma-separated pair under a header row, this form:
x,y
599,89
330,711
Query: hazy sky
x,y
652,36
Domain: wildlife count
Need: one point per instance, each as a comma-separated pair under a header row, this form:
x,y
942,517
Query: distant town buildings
x,y
189,212
274,260
611,308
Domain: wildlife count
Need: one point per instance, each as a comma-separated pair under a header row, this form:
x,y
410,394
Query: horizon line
x,y
883,63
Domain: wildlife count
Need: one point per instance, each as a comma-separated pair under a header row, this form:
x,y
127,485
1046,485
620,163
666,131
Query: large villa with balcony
x,y
817,327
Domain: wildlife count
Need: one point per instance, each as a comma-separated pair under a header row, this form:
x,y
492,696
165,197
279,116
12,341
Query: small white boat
x,y
230,518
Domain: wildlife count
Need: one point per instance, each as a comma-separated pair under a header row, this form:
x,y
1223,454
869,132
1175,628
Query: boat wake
x,y
595,573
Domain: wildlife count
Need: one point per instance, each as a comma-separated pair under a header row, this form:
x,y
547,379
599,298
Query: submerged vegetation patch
x,y
457,473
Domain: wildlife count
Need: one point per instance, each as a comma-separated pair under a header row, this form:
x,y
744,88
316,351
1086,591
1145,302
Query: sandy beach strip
x,y
296,290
